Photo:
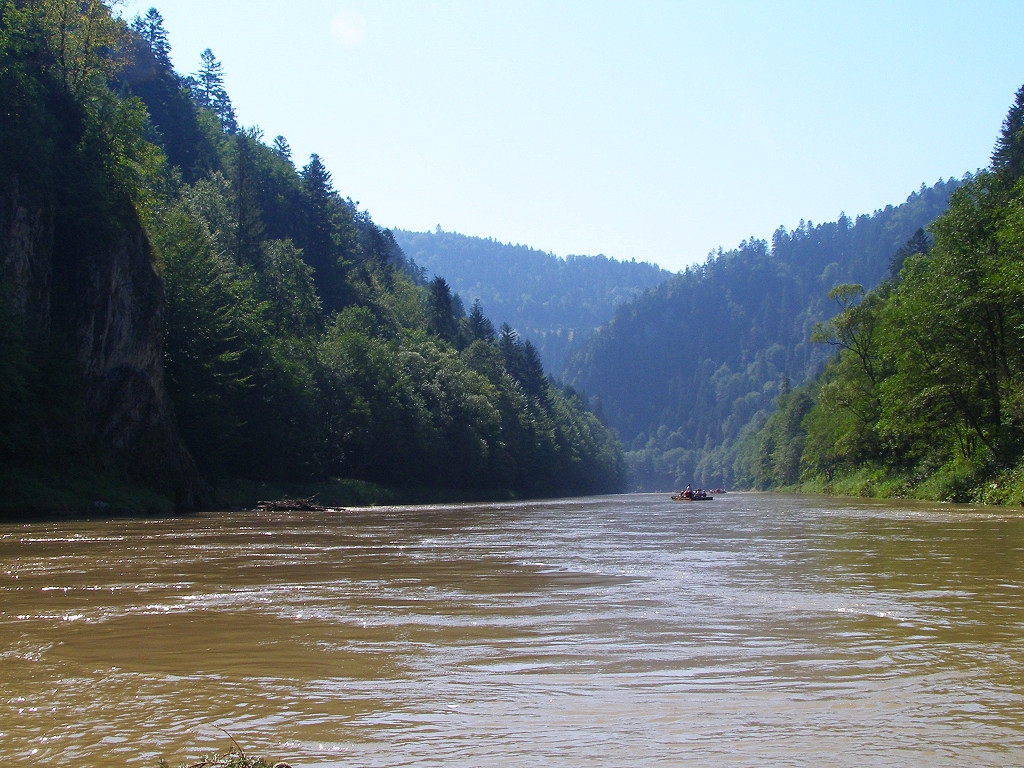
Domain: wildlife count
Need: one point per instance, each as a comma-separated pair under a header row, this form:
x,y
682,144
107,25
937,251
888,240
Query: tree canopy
x,y
555,303
686,369
298,342
926,393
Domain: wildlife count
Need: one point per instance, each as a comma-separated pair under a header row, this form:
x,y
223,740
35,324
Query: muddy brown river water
x,y
606,632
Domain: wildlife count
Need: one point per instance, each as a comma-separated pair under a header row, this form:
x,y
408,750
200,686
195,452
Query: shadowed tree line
x,y
298,342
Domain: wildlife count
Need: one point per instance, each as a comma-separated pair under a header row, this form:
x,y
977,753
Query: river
x,y
608,632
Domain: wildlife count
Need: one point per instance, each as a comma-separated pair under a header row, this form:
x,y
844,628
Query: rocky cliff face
x,y
26,253
92,293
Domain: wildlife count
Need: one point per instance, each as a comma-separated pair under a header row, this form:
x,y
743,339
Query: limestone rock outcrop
x,y
91,292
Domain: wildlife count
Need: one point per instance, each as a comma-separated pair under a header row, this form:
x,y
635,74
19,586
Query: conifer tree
x,y
208,90
511,350
151,29
244,177
480,327
919,243
441,319
534,379
283,148
318,191
208,80
318,236
1008,156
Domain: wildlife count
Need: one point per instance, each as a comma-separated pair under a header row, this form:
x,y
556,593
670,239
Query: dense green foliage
x,y
555,303
298,344
76,153
926,393
683,371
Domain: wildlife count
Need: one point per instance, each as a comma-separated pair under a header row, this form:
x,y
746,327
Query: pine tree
x,y
282,148
208,90
534,381
319,234
511,350
245,177
1008,156
208,80
480,327
151,29
318,195
441,318
919,243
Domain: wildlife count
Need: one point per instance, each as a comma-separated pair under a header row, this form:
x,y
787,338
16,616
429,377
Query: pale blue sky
x,y
650,129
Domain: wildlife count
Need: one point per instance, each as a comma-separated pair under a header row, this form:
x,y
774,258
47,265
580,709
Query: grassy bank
x,y
35,492
960,482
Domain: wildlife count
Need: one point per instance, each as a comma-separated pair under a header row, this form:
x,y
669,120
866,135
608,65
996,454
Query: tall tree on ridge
x,y
283,148
441,319
319,236
209,92
1008,156
151,29
480,327
244,176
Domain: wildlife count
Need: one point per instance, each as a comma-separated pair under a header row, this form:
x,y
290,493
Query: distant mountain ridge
x,y
553,302
682,370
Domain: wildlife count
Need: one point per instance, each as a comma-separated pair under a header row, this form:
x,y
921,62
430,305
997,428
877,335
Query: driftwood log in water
x,y
294,505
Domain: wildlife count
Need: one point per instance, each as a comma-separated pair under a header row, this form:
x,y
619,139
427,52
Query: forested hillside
x,y
180,302
683,369
555,303
926,394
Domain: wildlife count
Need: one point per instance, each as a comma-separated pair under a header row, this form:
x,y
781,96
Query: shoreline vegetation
x,y
957,484
40,496
34,495
924,394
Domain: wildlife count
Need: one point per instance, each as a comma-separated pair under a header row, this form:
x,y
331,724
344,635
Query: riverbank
x,y
958,482
235,493
35,493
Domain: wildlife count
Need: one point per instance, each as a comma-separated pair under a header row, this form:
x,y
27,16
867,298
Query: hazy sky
x,y
650,129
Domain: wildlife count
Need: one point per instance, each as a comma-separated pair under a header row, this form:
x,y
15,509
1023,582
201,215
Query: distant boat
x,y
680,497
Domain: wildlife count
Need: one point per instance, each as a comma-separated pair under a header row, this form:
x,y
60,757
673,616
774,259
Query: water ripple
x,y
755,631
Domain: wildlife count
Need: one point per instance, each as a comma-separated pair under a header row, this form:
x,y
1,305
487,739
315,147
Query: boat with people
x,y
688,494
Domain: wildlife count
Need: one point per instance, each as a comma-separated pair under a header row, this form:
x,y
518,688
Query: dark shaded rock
x,y
91,292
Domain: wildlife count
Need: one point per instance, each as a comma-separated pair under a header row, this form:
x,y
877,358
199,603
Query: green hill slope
x,y
926,394
553,302
683,369
180,303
